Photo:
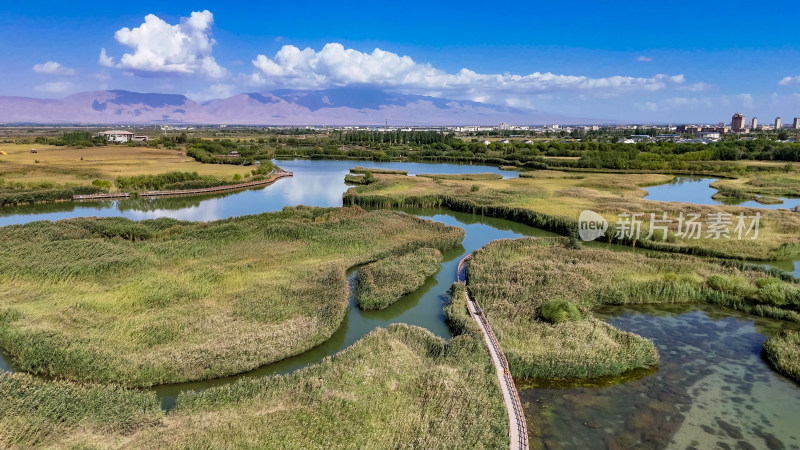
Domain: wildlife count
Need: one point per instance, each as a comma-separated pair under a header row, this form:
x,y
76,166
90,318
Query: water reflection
x,y
315,183
711,387
698,190
423,307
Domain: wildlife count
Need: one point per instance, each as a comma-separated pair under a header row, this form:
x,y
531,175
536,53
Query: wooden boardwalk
x,y
230,187
150,194
517,428
101,196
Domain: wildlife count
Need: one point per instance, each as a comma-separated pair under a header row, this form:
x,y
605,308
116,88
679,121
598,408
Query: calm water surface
x,y
698,190
712,389
315,183
680,336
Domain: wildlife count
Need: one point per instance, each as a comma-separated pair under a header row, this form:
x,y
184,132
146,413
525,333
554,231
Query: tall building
x,y
754,124
797,123
777,124
737,123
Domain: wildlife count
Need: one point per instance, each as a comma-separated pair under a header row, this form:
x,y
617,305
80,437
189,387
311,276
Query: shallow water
x,y
698,190
315,183
711,387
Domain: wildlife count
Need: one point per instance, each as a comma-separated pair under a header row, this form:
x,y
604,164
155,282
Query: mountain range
x,y
336,106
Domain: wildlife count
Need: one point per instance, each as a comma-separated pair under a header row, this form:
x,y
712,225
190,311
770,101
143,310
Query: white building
x,y
117,135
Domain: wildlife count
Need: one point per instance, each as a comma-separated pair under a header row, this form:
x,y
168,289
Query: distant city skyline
x,y
631,62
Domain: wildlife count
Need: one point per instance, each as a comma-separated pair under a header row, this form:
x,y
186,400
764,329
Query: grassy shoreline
x,y
435,394
554,200
166,301
516,280
383,282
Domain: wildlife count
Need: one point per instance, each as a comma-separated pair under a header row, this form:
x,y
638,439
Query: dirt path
x,y
517,429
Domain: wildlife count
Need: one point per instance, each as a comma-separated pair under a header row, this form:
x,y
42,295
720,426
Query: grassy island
x,y
554,200
539,295
161,301
384,282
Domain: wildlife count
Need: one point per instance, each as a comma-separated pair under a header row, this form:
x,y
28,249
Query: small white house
x,y
117,135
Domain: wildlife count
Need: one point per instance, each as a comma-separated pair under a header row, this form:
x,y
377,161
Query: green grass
x,y
363,170
523,285
468,176
15,193
383,282
434,394
554,200
35,413
783,352
159,301
359,179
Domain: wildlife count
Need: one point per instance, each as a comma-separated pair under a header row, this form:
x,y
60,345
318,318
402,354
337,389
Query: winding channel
x,y
320,183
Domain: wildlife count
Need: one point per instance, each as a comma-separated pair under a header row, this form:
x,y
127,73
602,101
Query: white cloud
x,y
790,81
647,106
163,49
335,66
696,87
53,68
213,92
689,102
105,60
644,59
102,76
54,87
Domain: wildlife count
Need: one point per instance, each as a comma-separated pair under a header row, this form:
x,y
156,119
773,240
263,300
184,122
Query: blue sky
x,y
686,62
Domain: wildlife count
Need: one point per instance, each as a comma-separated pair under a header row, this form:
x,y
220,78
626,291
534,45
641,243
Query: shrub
x,y
730,285
557,311
475,188
774,294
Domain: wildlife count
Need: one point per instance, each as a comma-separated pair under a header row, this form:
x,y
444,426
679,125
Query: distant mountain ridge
x,y
336,106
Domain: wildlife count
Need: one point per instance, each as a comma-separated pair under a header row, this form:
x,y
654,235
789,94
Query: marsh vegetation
x,y
385,281
163,301
539,295
553,201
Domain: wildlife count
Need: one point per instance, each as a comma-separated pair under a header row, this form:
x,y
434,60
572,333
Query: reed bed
x,y
363,170
38,413
517,283
383,282
434,394
468,176
160,301
554,201
783,352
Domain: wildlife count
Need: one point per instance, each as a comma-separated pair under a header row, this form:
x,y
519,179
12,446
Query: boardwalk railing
x,y
230,187
101,196
516,416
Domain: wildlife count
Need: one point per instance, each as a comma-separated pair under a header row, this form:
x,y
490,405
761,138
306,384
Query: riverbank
x,y
165,301
517,282
434,394
554,200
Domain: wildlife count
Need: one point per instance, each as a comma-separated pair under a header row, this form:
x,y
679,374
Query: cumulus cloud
x,y
53,68
54,87
163,49
696,87
644,59
790,81
335,66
